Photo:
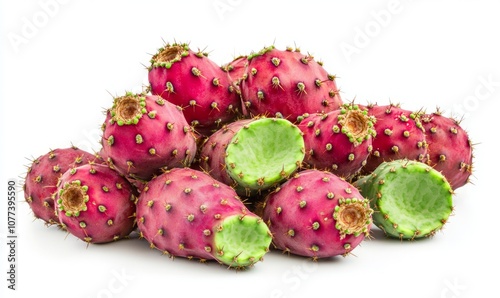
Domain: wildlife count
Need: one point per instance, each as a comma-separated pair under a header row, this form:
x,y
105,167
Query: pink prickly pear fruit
x,y
95,203
339,141
143,134
399,135
42,176
450,150
236,70
197,84
287,84
186,213
317,214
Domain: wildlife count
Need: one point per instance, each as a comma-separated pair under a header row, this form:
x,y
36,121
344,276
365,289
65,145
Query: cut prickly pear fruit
x,y
409,198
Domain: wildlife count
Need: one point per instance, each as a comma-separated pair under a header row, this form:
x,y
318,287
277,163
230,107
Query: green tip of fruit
x,y
264,153
412,199
241,241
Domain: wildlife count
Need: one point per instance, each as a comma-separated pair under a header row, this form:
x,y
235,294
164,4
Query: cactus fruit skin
x,y
317,214
399,135
143,134
186,213
339,141
409,198
287,84
43,174
95,203
254,154
194,82
450,150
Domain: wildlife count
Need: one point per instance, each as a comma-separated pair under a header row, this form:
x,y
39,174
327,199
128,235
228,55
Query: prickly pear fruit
x,y
287,84
449,149
399,135
95,203
143,134
186,213
253,154
409,198
236,70
42,176
194,82
339,141
317,214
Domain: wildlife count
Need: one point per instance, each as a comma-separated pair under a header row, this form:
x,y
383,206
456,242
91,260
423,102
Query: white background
x,y
62,63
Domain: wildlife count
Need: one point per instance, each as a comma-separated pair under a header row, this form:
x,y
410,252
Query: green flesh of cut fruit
x,y
410,199
264,153
242,241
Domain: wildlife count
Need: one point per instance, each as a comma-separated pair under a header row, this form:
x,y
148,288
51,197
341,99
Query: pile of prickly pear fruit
x,y
225,163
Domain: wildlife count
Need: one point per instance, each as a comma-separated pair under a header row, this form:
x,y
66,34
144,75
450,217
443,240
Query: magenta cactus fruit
x,y
339,141
287,84
186,213
143,134
95,203
399,135
194,82
236,70
450,150
42,176
317,214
